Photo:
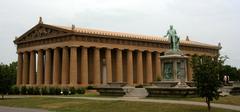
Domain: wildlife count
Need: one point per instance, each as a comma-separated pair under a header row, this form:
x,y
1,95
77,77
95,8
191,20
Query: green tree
x,y
206,76
7,77
238,74
13,71
232,72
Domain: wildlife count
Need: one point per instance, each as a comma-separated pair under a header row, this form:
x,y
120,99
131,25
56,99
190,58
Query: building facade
x,y
50,55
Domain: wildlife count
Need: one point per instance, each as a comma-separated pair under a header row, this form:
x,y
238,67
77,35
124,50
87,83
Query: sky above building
x,y
207,21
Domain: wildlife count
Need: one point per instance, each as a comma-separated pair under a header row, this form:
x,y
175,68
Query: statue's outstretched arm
x,y
166,34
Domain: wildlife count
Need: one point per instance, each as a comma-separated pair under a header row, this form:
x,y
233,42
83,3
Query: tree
x,y
238,75
7,77
206,76
232,72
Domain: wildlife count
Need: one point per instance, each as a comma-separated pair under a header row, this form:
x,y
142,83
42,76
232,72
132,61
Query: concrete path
x,y
14,109
135,99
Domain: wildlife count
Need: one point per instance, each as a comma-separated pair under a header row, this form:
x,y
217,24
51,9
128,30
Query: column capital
x,y
73,46
39,50
120,49
19,53
148,51
108,48
97,47
25,52
130,50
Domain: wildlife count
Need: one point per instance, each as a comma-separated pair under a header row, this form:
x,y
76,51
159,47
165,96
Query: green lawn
x,y
232,100
77,105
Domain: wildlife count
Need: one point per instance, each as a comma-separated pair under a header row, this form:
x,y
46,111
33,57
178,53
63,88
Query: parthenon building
x,y
50,55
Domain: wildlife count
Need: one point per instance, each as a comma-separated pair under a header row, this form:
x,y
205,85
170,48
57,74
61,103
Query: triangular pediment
x,y
42,31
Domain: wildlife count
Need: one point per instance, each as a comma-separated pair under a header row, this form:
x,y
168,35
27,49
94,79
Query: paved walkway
x,y
222,106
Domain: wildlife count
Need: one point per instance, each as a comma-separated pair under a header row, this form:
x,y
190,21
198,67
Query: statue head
x,y
171,26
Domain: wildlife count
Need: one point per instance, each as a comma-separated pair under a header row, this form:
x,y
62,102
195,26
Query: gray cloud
x,y
209,21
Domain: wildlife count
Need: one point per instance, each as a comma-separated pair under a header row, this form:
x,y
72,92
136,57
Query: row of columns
x,y
64,67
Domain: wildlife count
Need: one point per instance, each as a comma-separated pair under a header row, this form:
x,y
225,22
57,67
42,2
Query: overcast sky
x,y
208,21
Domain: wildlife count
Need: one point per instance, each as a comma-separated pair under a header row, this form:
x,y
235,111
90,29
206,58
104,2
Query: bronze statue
x,y
173,39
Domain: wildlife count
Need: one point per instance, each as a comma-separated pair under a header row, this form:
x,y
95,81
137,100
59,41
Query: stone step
x,y
135,92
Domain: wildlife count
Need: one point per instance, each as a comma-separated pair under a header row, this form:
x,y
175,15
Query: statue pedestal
x,y
174,66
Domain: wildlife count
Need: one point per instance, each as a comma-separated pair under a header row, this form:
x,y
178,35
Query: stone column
x,y
32,70
48,67
56,67
119,66
108,56
25,68
73,66
149,67
19,69
139,68
65,66
189,69
40,68
84,66
129,67
96,64
158,66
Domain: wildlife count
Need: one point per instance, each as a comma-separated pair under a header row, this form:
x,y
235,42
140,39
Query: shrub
x,y
65,91
52,91
30,90
55,91
58,91
14,90
36,91
90,88
159,78
81,90
23,90
72,90
44,91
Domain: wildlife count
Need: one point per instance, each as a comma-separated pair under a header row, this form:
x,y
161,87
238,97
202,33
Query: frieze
x,y
110,41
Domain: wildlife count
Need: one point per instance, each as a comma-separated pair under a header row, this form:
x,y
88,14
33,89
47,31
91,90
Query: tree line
x,y
8,75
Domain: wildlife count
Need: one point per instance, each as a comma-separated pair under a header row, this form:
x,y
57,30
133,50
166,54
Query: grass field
x,y
77,105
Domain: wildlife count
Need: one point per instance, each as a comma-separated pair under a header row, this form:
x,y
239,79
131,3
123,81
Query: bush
x,y
30,90
52,91
44,91
55,91
58,91
14,90
90,88
65,91
36,91
72,90
24,90
81,90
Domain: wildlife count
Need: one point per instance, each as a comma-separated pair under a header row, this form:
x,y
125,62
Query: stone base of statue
x,y
174,52
182,84
174,66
